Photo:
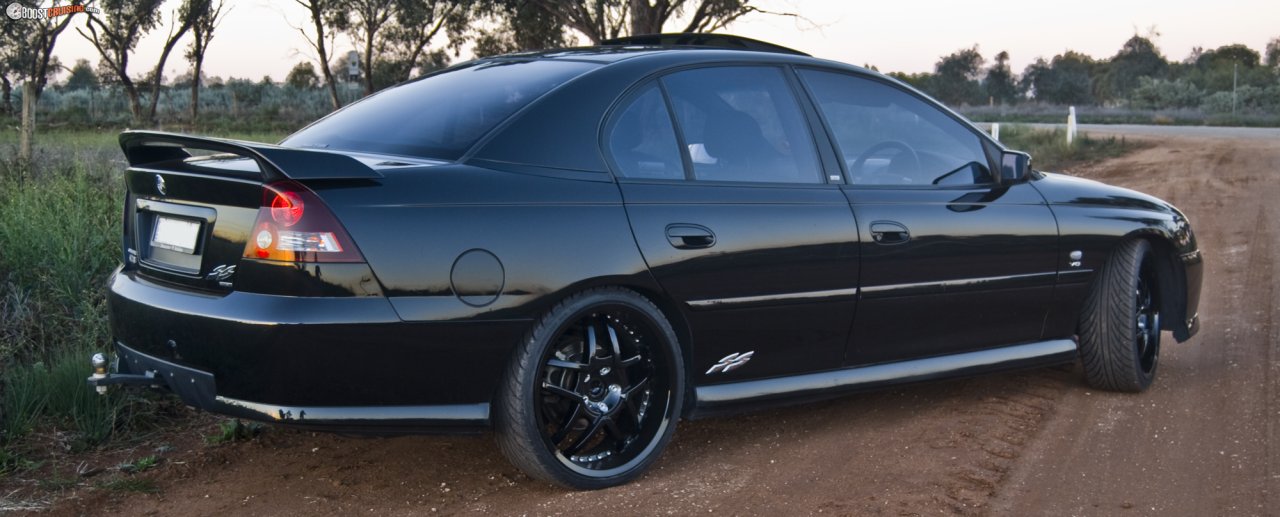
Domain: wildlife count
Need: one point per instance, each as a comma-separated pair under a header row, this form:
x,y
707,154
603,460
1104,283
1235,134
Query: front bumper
x,y
336,363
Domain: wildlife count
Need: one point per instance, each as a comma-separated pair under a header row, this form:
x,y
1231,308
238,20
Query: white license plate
x,y
175,234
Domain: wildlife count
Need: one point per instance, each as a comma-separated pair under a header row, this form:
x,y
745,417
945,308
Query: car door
x,y
952,261
733,213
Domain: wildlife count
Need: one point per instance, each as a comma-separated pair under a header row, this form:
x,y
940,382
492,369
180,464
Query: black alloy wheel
x,y
594,393
1147,318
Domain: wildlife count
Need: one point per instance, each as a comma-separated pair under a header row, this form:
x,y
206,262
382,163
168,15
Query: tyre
x,y
1120,323
593,394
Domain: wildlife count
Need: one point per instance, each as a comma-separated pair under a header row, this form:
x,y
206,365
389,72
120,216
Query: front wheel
x,y
593,394
1120,323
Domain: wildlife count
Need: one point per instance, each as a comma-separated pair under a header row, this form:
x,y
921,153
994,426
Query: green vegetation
x,y
233,430
1050,152
59,241
139,465
1229,85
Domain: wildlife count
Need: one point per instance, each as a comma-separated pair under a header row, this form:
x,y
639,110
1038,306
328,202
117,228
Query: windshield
x,y
439,116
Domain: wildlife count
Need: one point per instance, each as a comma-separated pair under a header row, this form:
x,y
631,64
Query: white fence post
x,y
1071,124
995,131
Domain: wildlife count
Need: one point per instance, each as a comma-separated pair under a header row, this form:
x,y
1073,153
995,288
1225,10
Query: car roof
x,y
561,130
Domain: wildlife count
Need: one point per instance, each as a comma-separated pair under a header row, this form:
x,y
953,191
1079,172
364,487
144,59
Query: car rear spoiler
x,y
276,163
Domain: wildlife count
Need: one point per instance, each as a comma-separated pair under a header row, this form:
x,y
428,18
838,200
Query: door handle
x,y
690,236
889,232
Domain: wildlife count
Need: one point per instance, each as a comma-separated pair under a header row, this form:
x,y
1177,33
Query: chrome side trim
x,y
1074,275
961,285
1040,353
460,414
794,297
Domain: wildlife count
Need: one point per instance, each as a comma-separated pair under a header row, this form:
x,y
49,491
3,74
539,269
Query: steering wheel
x,y
905,150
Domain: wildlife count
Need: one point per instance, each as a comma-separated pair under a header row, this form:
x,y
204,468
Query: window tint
x,y
742,124
890,137
642,141
440,116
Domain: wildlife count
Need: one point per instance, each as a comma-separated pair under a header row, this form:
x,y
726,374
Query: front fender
x,y
1093,219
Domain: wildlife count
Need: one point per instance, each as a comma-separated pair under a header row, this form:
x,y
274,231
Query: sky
x,y
259,37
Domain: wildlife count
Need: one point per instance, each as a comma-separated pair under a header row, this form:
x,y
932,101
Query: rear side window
x,y
642,141
743,124
890,137
439,116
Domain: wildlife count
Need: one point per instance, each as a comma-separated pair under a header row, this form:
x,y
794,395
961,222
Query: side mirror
x,y
1015,166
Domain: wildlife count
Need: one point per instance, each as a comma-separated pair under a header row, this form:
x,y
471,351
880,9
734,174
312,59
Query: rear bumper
x,y
337,363
199,389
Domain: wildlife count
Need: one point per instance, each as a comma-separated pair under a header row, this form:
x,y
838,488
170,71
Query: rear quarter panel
x,y
551,235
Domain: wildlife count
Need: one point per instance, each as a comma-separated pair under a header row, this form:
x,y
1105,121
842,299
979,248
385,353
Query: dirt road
x,y
1202,441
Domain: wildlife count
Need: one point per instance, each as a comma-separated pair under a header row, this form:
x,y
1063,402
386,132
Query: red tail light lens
x,y
294,225
286,207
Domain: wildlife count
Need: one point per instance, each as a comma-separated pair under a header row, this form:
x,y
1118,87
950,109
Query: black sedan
x,y
577,248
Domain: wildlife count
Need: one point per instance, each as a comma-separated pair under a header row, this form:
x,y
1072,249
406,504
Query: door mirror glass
x,y
1015,166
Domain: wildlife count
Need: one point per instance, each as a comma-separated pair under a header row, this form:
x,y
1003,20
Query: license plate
x,y
175,234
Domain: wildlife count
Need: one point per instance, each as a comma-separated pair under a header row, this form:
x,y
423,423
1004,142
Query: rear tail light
x,y
294,225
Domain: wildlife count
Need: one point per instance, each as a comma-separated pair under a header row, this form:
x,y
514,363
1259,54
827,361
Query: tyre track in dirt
x,y
1202,440
1034,443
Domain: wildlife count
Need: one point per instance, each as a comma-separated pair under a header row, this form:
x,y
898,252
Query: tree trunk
x,y
157,78
135,105
195,91
324,58
28,122
7,88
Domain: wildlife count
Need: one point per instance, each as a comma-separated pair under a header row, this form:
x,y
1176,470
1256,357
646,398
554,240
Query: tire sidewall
x,y
523,375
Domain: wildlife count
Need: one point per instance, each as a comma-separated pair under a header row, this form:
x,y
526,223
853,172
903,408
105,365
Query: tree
x,y
600,20
82,77
1273,53
303,76
517,25
1228,67
322,13
1138,58
115,33
1067,79
206,20
417,23
363,20
999,84
955,77
394,36
27,54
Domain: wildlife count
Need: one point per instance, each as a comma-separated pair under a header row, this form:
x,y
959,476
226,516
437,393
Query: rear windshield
x,y
440,116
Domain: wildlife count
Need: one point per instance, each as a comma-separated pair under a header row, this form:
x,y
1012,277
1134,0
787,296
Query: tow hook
x,y
99,373
102,378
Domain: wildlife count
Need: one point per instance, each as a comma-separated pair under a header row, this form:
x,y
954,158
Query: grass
x,y
139,465
1049,113
233,430
131,484
60,233
1050,152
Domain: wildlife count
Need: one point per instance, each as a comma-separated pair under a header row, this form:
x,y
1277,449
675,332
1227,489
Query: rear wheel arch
x,y
518,425
669,308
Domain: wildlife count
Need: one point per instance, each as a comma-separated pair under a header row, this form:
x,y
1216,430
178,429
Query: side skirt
x,y
739,396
